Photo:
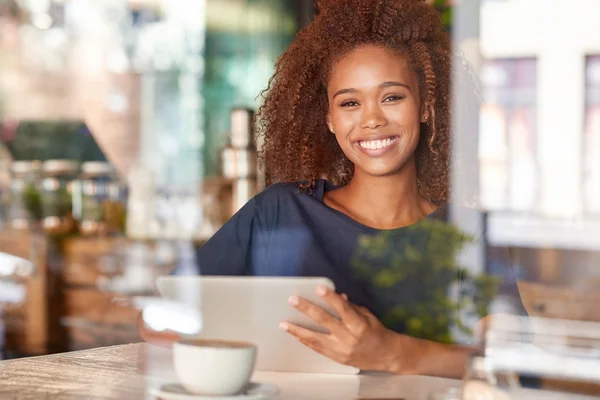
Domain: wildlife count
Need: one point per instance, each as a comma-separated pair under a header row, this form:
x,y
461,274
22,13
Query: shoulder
x,y
277,192
276,198
286,191
284,199
281,188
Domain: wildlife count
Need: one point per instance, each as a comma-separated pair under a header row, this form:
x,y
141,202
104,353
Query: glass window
x,y
592,136
507,145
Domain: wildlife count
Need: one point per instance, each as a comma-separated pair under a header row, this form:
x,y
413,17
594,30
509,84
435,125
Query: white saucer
x,y
174,391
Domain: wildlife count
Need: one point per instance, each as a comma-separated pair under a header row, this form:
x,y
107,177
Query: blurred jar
x,y
239,159
56,195
99,200
24,204
90,192
115,206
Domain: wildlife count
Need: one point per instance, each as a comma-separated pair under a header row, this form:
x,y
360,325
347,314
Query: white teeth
x,y
376,144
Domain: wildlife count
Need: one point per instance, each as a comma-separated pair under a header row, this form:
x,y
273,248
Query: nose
x,y
372,117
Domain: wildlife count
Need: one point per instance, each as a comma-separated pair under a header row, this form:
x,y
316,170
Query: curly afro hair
x,y
292,120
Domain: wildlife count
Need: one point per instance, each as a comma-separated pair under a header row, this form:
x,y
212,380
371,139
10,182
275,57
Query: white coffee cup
x,y
213,367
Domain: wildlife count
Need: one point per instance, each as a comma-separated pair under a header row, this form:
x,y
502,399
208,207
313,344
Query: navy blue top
x,y
287,232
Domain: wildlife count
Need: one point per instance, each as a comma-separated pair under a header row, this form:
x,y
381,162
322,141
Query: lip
x,y
376,152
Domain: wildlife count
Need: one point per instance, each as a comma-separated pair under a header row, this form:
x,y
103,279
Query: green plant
x,y
412,276
446,10
33,201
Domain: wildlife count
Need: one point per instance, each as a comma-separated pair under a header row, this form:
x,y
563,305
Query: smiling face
x,y
375,110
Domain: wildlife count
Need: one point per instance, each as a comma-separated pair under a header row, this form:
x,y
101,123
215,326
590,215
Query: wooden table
x,y
129,371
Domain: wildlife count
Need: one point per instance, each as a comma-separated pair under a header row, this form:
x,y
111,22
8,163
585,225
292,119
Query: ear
x,y
425,114
328,122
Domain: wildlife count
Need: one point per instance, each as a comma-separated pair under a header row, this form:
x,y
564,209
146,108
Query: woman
x,y
361,97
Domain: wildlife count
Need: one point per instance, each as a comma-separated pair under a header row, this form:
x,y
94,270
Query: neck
x,y
387,202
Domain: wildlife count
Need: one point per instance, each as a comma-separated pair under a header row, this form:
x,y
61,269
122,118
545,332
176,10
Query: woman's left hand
x,y
358,339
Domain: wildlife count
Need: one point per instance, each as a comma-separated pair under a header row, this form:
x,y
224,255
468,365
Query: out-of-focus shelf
x,y
97,307
83,259
91,316
27,328
517,230
66,292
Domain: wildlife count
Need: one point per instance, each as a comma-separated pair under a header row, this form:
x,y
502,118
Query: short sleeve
x,y
228,251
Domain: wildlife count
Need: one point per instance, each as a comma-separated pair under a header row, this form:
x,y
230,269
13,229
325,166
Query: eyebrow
x,y
383,85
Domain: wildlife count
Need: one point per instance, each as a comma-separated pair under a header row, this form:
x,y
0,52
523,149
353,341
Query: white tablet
x,y
251,309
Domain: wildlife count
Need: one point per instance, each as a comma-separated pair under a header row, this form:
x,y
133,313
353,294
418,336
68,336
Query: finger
x,y
318,342
360,309
329,353
320,316
363,310
307,336
350,316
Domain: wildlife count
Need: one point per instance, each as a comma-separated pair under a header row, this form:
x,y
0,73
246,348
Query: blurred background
x,y
117,149
126,140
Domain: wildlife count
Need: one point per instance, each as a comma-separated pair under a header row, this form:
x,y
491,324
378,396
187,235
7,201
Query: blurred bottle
x,y
115,207
56,195
99,200
140,203
24,204
240,160
90,192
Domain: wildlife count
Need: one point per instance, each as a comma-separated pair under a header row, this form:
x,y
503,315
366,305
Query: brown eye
x,y
393,98
349,104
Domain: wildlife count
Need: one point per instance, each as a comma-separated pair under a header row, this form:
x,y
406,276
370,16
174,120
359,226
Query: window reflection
x,y
508,135
592,135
